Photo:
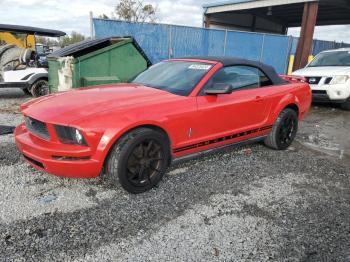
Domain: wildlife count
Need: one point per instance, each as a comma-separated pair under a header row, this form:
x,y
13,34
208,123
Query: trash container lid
x,y
88,46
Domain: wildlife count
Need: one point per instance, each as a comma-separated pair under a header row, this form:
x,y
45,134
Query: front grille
x,y
37,127
328,80
313,80
319,92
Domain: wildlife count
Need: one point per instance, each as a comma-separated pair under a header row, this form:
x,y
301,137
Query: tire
x,y
10,57
284,130
346,105
40,88
138,160
26,91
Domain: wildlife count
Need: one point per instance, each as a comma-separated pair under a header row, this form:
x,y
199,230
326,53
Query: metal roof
x,y
230,2
273,15
31,30
248,4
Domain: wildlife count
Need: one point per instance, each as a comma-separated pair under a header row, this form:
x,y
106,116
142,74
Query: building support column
x,y
306,35
254,23
206,21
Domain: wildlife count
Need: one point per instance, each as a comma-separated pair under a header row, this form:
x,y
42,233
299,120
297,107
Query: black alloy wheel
x,y
138,160
145,162
284,130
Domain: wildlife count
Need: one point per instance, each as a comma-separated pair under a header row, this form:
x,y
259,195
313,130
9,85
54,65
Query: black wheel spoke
x,y
145,162
134,174
155,169
156,159
149,147
142,151
286,130
135,155
140,176
155,151
149,177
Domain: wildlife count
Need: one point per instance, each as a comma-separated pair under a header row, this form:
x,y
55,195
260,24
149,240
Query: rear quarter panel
x,y
292,93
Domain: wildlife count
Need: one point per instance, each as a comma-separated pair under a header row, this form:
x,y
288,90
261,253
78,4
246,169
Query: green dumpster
x,y
96,62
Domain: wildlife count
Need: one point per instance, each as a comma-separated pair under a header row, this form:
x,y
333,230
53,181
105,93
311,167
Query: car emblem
x,y
312,80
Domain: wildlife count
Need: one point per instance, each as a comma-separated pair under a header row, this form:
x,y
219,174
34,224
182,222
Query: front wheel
x,y
27,91
138,160
346,105
284,130
40,88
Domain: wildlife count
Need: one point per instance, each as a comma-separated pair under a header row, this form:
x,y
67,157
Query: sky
x,y
73,15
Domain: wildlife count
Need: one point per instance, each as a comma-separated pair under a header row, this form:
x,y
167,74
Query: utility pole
x,y
91,25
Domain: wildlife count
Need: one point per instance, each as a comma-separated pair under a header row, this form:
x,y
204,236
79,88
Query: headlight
x,y
339,80
70,135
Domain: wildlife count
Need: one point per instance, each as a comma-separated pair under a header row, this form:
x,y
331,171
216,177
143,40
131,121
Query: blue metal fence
x,y
319,45
161,41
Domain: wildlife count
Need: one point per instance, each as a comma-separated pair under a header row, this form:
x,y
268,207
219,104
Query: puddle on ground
x,y
327,130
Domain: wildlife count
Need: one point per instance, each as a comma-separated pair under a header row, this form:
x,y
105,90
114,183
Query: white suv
x,y
329,77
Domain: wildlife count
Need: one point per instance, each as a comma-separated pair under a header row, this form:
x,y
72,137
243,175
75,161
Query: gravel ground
x,y
242,204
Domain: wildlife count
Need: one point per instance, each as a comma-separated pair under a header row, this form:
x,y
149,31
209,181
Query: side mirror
x,y
219,89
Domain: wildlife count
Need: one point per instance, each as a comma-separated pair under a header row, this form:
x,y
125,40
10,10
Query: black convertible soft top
x,y
232,61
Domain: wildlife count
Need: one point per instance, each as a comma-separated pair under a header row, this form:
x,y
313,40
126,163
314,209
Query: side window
x,y
239,77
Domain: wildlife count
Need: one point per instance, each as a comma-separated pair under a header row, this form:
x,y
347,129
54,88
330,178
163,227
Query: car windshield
x,y
176,77
337,58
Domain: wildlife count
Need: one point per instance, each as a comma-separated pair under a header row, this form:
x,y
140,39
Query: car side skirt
x,y
222,139
21,85
194,156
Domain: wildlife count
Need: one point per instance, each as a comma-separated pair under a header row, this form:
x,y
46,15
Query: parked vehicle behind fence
x,y
329,77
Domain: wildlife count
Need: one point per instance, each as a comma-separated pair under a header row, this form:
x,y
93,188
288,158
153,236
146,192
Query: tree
x,y
136,11
75,37
103,16
46,41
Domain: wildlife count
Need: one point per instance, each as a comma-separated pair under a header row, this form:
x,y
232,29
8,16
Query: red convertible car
x,y
131,132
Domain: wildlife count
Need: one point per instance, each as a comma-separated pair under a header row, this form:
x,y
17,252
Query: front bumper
x,y
57,159
330,93
322,96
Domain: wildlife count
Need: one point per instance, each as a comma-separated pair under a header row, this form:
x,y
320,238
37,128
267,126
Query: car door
x,y
242,110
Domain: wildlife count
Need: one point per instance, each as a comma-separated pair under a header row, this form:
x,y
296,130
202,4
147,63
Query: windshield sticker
x,y
199,67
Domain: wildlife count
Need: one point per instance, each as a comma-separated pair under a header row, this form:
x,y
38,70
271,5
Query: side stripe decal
x,y
221,139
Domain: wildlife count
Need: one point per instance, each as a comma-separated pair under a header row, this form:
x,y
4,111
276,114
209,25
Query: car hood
x,y
323,71
67,107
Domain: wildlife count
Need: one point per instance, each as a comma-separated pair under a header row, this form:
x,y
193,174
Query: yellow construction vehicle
x,y
10,38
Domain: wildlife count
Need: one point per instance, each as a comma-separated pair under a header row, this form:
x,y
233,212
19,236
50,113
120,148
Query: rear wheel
x,y
346,105
40,88
284,130
138,160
